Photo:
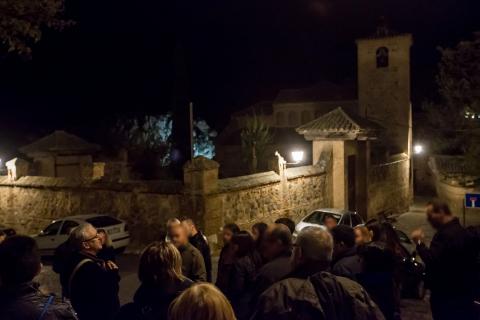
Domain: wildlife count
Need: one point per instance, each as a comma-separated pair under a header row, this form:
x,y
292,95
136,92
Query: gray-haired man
x,y
310,292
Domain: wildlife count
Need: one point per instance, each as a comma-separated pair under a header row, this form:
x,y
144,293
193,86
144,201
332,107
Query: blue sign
x,y
472,200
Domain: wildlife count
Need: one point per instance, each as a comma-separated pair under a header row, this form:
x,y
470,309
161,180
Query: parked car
x,y
316,218
8,231
57,231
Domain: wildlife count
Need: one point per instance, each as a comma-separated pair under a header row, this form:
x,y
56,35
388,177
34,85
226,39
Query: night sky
x,y
138,56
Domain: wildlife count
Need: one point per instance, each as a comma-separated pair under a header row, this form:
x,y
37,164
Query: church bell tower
x,y
384,85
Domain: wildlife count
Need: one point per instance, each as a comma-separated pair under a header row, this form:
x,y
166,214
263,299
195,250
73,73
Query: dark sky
x,y
124,56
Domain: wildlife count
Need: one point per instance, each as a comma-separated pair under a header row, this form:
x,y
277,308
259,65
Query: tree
x,y
22,21
454,120
255,137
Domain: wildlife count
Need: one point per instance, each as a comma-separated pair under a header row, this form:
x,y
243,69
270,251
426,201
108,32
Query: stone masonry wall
x,y
389,187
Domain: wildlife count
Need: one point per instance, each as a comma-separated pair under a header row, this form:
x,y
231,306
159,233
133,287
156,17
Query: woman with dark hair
x,y
380,264
225,262
258,232
160,274
242,278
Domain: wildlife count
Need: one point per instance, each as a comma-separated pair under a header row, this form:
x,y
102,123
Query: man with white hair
x,y
91,283
310,292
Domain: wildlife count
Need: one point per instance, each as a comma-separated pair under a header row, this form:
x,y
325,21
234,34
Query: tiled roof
x,y
338,122
59,141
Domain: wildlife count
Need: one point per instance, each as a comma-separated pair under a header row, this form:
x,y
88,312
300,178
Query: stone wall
x,y
30,203
389,187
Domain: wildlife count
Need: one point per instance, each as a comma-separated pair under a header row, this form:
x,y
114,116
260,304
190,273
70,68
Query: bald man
x,y
193,265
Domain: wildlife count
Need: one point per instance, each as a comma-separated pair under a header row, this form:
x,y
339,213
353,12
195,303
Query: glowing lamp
x,y
418,149
297,156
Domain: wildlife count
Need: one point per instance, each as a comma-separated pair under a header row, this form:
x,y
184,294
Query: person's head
x,y
228,231
86,238
189,226
104,238
160,263
178,235
288,222
278,240
362,235
20,260
438,213
201,302
343,239
329,221
3,236
314,245
258,231
243,244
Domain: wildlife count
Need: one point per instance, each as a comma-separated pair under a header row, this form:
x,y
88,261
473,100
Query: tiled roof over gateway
x,y
59,141
339,124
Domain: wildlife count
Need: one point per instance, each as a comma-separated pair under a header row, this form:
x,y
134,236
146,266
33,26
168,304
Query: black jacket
x,y
348,265
225,267
193,266
308,294
26,302
450,261
107,253
199,242
272,272
94,289
152,302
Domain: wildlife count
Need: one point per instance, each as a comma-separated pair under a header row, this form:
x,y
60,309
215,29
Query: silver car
x,y
316,218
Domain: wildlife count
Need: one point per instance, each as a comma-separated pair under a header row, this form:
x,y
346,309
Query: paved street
x,y
411,309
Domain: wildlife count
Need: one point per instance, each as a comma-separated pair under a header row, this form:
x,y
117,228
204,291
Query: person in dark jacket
x,y
108,251
20,298
277,250
227,255
258,233
160,274
287,222
346,261
199,241
450,264
309,292
193,266
247,261
92,284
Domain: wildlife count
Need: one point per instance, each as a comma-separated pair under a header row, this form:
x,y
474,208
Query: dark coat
x,y
199,242
94,289
193,266
348,265
242,284
107,254
450,263
306,295
152,302
26,302
225,267
272,272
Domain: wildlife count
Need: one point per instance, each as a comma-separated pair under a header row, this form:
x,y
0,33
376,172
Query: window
x,y
52,229
382,57
292,118
318,216
346,220
103,221
68,227
356,220
306,116
280,119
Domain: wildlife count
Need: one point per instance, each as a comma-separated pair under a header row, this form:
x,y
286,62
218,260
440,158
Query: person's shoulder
x,y
194,251
61,310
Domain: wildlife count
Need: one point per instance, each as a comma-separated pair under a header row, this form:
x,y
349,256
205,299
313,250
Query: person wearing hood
x,y
160,274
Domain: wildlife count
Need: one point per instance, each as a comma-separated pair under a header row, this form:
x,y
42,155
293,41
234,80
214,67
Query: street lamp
x,y
418,149
297,156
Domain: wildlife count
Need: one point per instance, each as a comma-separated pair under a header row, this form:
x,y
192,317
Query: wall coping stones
x,y
201,163
157,186
246,182
305,171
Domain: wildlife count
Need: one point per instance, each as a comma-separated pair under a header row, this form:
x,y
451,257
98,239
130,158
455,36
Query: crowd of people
x,y
335,272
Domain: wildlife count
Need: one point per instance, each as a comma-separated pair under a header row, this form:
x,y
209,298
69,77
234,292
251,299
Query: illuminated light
x,y
297,156
418,149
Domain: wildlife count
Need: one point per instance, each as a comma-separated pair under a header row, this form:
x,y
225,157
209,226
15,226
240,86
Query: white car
x,y
58,231
317,217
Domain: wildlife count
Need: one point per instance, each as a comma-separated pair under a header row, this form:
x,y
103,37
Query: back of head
x,y
316,244
201,302
20,260
232,227
343,234
244,242
287,222
160,263
439,206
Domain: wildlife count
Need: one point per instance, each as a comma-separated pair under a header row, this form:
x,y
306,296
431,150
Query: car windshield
x,y
318,217
103,221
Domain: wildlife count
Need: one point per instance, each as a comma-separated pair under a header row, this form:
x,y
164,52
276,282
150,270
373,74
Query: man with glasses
x,y
92,283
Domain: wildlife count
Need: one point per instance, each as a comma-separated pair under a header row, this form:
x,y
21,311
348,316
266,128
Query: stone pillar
x,y
339,175
200,176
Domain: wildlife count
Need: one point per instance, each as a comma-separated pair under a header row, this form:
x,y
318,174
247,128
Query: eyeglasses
x,y
93,238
